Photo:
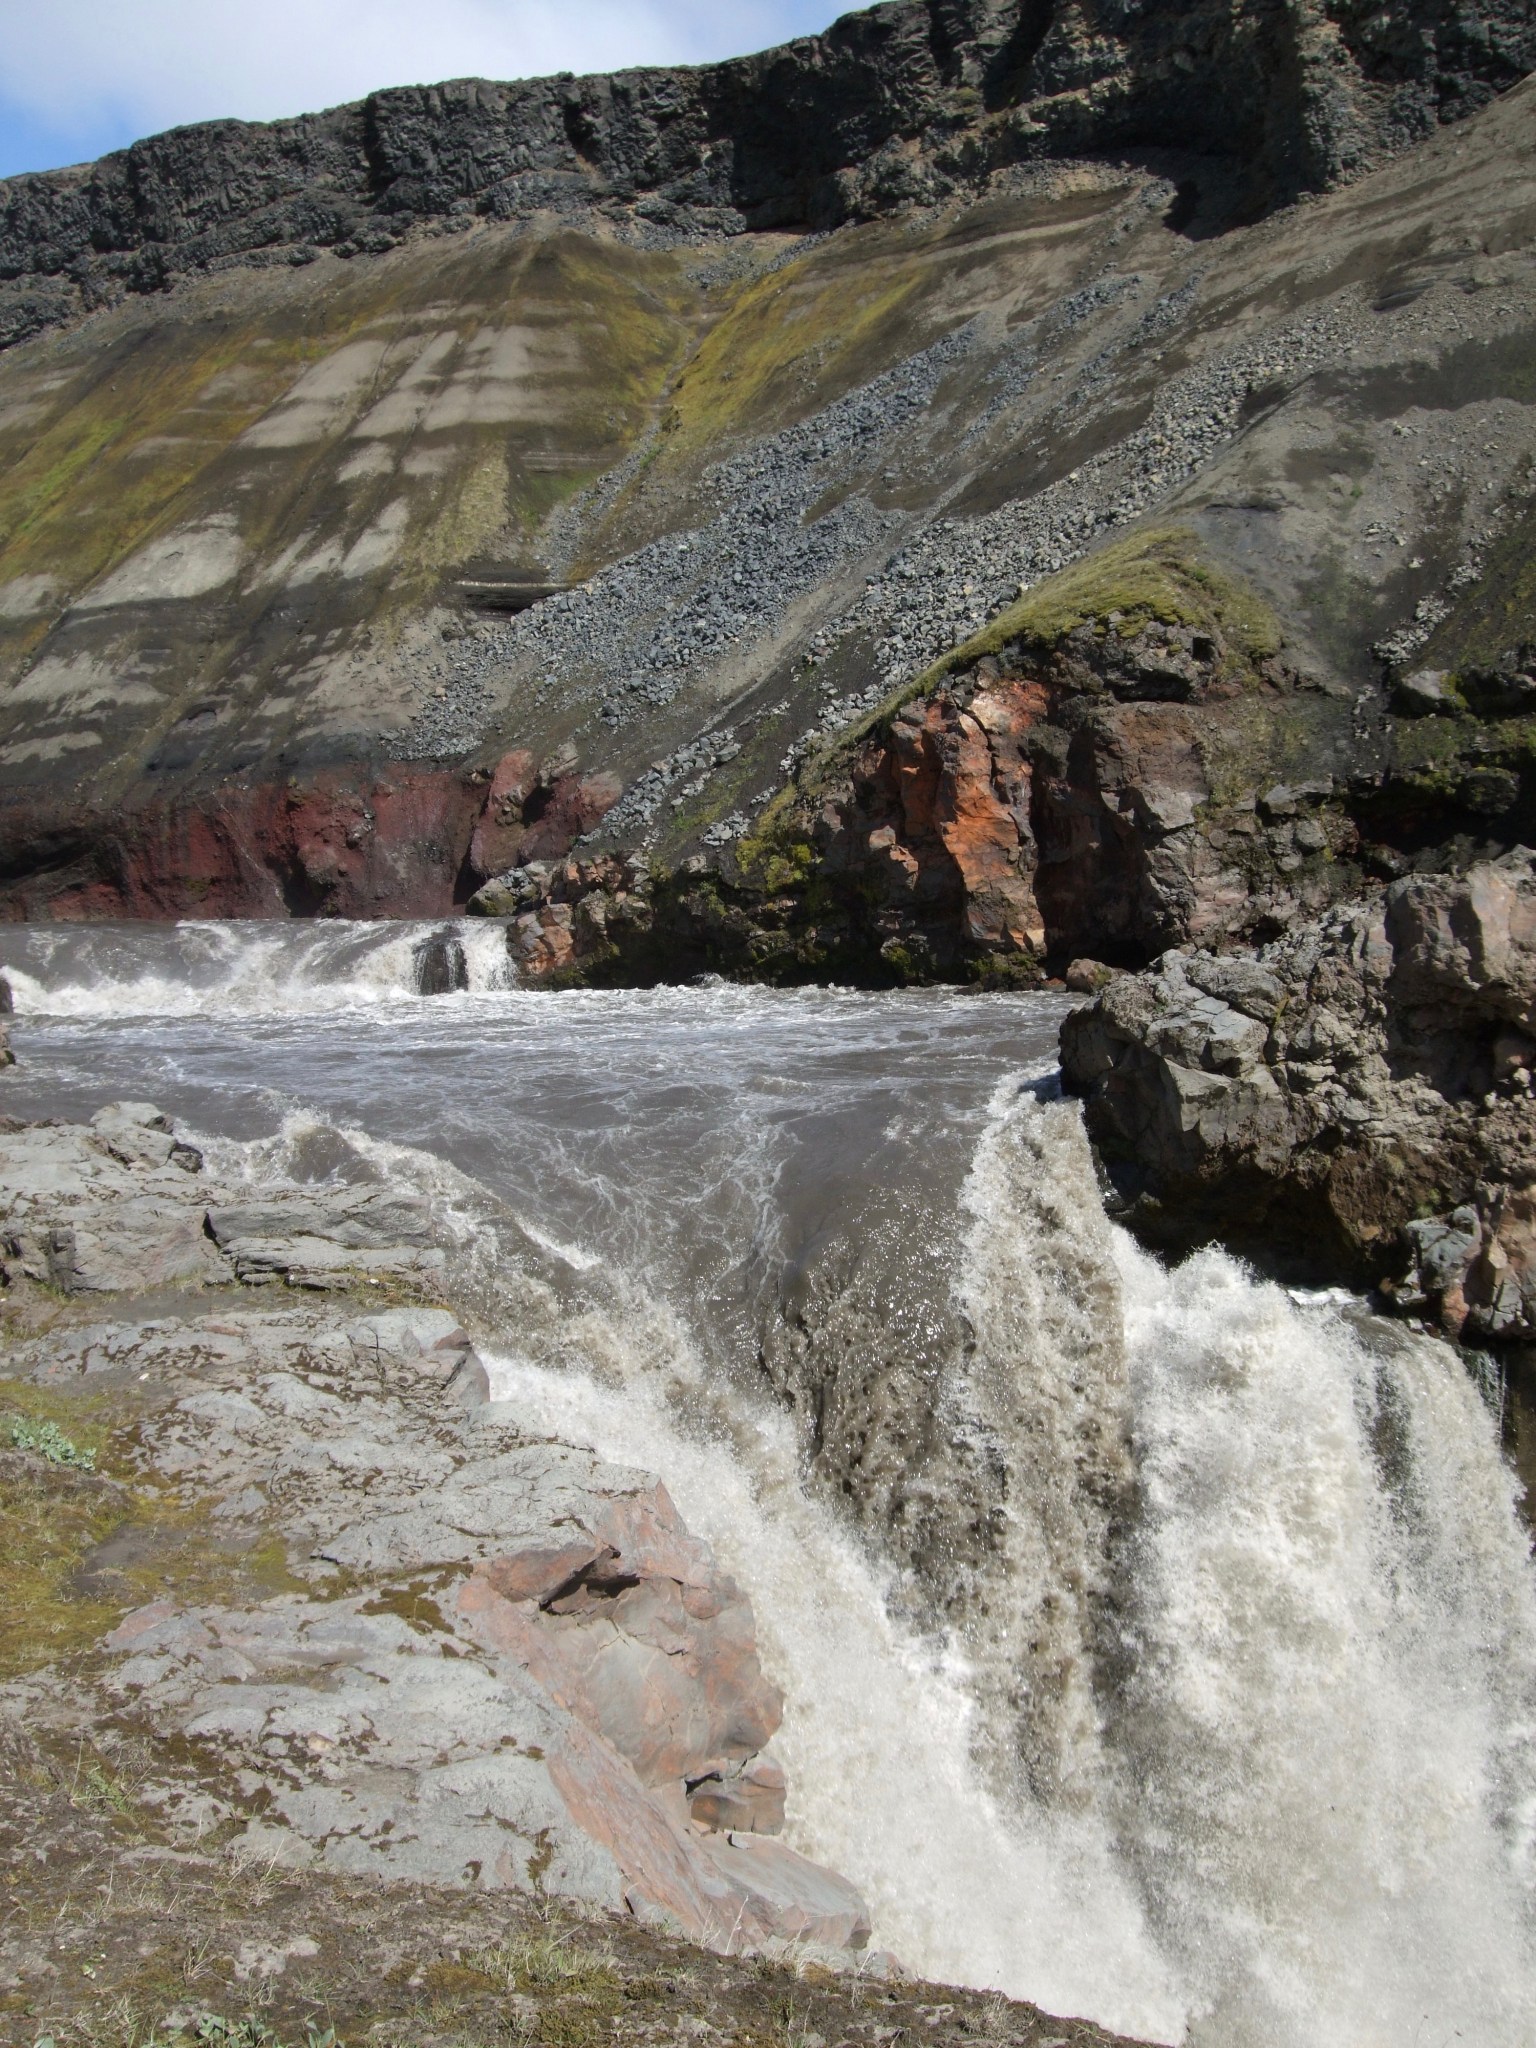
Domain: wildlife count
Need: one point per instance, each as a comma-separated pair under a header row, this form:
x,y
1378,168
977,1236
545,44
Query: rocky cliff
x,y
988,488
687,420
1356,1095
899,102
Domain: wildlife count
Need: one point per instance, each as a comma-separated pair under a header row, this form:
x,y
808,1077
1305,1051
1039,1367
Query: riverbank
x,y
293,1605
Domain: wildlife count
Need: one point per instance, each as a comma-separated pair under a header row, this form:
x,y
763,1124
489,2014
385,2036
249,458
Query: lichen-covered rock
x,y
100,1208
496,1662
1358,1094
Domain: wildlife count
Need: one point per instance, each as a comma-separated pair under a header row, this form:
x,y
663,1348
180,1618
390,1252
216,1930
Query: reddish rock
x,y
565,916
643,1638
536,814
500,830
730,1892
572,805
389,842
626,1622
938,817
398,840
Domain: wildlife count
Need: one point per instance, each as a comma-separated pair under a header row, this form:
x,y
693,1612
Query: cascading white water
x,y
879,1725
1332,1724
1315,1793
1320,1762
1258,1614
255,969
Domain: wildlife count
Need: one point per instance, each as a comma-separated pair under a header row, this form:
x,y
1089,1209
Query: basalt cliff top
x,y
908,101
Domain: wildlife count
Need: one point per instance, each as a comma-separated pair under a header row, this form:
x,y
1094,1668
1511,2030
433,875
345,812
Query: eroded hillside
x,y
267,534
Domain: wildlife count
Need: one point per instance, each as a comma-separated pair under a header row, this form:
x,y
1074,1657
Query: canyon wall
x,y
733,402
895,103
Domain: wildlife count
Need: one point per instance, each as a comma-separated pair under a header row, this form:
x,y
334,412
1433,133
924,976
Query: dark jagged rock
x,y
896,103
1354,1100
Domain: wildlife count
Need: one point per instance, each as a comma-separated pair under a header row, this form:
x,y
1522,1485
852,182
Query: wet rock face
x,y
887,107
499,1662
1357,1096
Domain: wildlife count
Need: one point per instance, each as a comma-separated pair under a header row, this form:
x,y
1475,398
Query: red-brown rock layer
x,y
397,840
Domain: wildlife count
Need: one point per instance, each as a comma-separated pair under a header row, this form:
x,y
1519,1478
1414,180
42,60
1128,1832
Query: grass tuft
x,y
539,1961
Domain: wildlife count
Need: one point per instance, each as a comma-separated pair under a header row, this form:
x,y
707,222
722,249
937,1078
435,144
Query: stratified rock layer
x,y
899,102
314,552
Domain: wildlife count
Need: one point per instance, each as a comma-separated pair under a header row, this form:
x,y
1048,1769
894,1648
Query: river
x,y
1158,1646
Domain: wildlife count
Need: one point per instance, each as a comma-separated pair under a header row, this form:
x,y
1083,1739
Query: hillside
x,y
795,371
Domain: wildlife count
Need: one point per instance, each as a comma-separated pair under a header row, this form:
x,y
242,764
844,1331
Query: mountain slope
x,y
262,529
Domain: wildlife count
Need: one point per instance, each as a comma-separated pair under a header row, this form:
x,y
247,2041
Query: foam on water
x,y
878,1726
1332,1717
1312,1795
213,968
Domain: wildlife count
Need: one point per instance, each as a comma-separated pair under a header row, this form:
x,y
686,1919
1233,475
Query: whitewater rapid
x,y
1223,1732
204,967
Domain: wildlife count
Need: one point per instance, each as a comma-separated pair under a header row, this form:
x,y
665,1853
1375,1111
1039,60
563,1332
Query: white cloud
x,y
87,68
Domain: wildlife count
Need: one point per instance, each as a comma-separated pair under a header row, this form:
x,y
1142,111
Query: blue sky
x,y
80,77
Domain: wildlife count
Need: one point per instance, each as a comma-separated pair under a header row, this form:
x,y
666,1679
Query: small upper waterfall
x,y
250,969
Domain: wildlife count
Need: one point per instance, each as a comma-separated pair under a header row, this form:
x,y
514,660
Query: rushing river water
x,y
1157,1646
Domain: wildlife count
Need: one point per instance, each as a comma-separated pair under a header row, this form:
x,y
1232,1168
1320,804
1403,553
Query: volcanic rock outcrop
x,y
1355,1097
1126,759
896,103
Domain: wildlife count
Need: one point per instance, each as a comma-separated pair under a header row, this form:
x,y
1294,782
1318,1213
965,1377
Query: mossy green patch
x,y
1439,753
807,324
82,1548
775,855
1497,613
47,1532
1248,745
1151,576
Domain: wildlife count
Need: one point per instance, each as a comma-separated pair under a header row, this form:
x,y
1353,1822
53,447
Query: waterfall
x,y
252,969
1330,1726
1157,1645
1265,1629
